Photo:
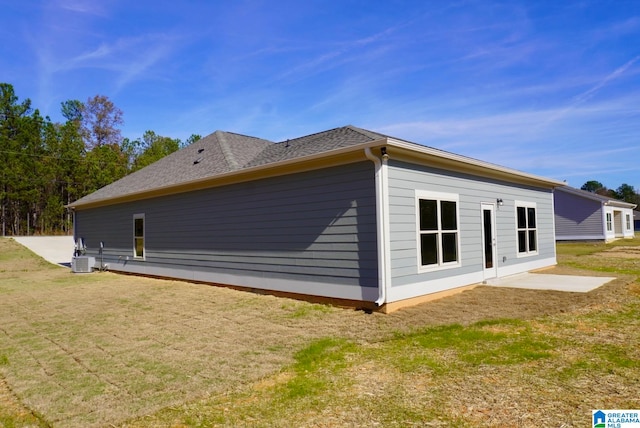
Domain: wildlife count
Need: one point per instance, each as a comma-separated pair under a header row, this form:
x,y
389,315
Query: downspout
x,y
553,223
603,206
382,222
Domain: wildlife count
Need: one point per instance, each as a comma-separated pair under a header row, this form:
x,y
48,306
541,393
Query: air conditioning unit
x,y
82,264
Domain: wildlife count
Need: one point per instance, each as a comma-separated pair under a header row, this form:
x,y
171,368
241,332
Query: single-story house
x,y
347,215
582,215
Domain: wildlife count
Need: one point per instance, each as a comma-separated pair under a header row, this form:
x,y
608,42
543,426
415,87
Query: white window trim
x,y
438,196
609,221
527,204
628,221
144,237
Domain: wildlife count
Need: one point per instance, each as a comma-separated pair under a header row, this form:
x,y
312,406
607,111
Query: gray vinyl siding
x,y
317,226
577,216
405,179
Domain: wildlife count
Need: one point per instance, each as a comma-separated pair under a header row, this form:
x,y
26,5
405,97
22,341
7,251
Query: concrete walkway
x,y
541,281
55,249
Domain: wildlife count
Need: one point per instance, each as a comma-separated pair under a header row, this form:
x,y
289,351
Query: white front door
x,y
489,244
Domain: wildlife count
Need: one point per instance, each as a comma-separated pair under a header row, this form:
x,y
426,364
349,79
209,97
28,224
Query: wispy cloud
x,y
521,128
82,6
501,125
617,29
128,58
336,56
102,51
155,52
585,96
591,92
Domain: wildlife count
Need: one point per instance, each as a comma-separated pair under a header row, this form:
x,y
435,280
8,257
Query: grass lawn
x,y
112,350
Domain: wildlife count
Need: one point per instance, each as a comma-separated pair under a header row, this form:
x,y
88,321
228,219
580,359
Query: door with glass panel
x,y
489,247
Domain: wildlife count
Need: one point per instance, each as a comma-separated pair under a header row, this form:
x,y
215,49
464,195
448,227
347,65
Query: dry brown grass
x,y
623,252
101,349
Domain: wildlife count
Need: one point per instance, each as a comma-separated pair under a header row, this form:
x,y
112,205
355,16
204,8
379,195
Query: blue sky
x,y
547,87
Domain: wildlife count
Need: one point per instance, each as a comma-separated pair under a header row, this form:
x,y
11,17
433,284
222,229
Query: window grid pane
x,y
532,240
428,215
448,215
429,248
449,247
531,218
522,241
522,219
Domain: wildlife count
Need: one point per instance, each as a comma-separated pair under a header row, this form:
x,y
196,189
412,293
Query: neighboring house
x,y
348,215
582,215
636,220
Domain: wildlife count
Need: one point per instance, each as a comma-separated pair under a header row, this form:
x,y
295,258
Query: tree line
x,y
625,192
45,165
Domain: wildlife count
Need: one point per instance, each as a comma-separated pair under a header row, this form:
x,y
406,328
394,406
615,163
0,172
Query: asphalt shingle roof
x,y
593,196
315,143
223,152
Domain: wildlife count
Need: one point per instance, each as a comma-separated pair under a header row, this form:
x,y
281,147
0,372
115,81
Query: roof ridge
x,y
367,133
310,135
246,136
226,150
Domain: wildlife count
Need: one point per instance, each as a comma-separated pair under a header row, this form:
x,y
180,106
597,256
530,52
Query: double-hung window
x,y
527,228
138,236
628,217
438,230
609,222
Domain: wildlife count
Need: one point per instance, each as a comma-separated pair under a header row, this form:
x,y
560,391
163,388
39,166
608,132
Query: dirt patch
x,y
623,252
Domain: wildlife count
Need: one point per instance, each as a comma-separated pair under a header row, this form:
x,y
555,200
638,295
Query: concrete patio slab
x,y
540,281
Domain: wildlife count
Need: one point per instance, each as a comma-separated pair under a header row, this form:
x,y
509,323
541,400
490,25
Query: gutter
x,y
382,222
620,204
475,166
